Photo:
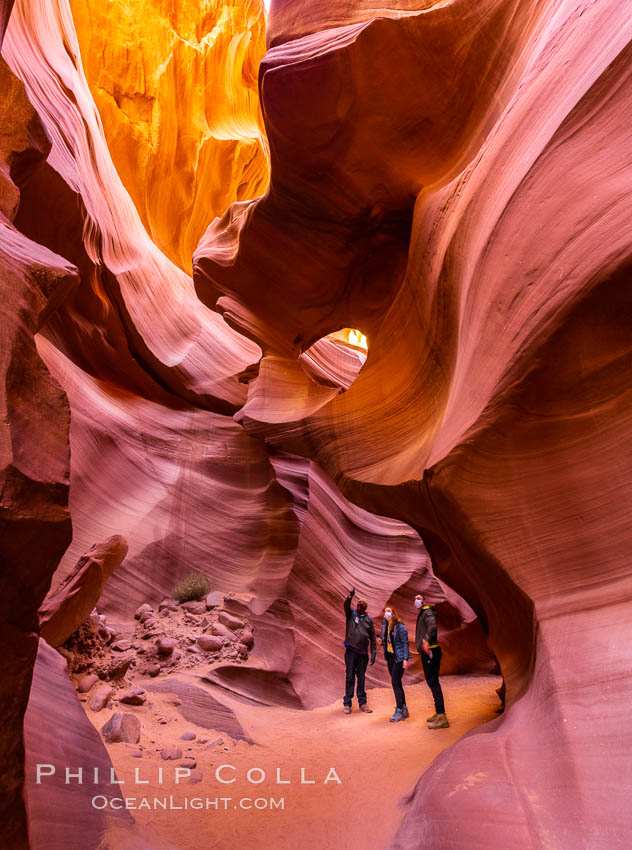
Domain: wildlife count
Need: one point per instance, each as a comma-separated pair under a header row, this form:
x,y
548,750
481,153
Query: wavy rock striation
x,y
176,89
488,167
34,452
452,180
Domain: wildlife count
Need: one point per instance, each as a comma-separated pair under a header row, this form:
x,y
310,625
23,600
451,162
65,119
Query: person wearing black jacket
x,y
359,638
430,652
394,638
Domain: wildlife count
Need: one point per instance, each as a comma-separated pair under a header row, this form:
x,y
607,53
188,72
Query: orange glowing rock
x,y
176,88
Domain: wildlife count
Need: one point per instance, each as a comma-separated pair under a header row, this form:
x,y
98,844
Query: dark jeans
x,y
431,672
356,665
396,669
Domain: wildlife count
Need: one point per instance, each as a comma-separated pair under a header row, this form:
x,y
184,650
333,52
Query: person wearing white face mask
x,y
394,638
430,652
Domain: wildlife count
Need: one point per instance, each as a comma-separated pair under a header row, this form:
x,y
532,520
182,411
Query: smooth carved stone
x,y
122,727
210,643
231,622
86,682
100,698
65,608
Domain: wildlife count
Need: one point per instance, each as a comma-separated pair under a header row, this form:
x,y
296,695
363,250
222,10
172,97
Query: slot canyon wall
x,y
452,179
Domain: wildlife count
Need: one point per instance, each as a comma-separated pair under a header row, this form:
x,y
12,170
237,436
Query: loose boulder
x,y
122,727
100,698
210,643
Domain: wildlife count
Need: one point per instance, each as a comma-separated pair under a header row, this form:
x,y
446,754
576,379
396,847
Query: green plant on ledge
x,y
191,586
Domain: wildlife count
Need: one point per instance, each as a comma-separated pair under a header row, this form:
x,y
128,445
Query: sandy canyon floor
x,y
377,762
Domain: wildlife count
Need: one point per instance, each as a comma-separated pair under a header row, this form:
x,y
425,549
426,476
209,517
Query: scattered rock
x,y
137,754
222,631
194,607
147,615
165,612
116,667
214,599
188,762
86,682
231,622
144,608
100,698
165,646
216,743
210,643
133,696
196,776
122,645
247,638
122,727
153,670
189,735
171,753
169,605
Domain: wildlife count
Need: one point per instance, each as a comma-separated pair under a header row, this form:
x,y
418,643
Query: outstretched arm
x,y
347,603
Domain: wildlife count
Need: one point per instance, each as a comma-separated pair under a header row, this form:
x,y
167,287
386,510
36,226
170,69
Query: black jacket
x,y
399,636
426,628
361,634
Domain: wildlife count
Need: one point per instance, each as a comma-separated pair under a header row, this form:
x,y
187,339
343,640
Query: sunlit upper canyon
x,y
299,298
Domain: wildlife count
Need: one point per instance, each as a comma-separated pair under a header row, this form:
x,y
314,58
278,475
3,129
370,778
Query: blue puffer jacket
x,y
400,640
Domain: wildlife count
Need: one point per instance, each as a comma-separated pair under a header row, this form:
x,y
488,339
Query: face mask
x,y
387,615
361,608
417,603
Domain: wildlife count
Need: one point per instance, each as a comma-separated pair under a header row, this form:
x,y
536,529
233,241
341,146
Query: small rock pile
x,y
180,636
175,637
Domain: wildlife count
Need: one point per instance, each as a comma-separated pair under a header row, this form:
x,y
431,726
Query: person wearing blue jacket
x,y
394,638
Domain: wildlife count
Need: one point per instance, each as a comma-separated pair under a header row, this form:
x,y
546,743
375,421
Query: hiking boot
x,y
399,715
405,713
366,709
430,719
347,709
440,722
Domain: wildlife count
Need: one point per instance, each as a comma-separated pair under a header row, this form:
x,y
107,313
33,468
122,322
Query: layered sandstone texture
x,y
176,89
452,181
34,449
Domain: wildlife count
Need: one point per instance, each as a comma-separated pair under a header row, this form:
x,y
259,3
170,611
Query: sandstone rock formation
x,y
451,180
179,106
58,733
66,607
34,452
488,181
